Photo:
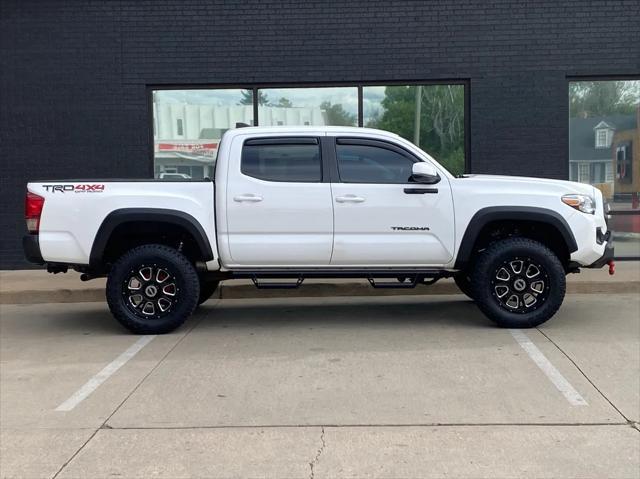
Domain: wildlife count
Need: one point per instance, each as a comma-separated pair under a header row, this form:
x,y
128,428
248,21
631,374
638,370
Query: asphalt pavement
x,y
403,386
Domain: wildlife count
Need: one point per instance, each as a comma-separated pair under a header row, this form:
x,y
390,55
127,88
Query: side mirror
x,y
423,172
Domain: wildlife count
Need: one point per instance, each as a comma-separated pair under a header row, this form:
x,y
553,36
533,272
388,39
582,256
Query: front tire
x,y
463,282
152,289
518,283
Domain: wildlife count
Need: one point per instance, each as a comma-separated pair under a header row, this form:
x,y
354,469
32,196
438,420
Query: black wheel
x,y
207,288
152,289
463,281
518,283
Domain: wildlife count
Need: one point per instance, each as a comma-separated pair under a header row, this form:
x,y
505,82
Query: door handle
x,y
349,199
420,191
249,198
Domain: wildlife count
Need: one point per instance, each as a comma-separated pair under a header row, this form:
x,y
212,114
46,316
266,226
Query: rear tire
x,y
152,289
207,288
518,283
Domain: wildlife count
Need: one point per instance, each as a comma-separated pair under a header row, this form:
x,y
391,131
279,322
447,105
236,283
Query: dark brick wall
x,y
74,74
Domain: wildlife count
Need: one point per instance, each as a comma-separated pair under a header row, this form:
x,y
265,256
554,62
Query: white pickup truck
x,y
293,203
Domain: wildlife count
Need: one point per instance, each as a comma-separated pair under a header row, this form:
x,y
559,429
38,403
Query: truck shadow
x,y
391,311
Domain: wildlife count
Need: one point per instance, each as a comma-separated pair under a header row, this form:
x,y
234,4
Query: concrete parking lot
x,y
404,386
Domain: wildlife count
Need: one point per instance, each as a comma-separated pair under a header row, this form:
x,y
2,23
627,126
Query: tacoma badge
x,y
410,228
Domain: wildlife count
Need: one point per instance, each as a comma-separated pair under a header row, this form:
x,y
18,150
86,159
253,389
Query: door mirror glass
x,y
423,172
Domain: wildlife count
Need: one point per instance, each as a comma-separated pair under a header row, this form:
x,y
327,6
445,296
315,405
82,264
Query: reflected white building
x,y
186,136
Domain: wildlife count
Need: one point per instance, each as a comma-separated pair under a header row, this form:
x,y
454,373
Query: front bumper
x,y
31,247
606,257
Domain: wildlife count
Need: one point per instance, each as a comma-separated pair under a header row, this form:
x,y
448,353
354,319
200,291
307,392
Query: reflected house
x,y
186,136
591,141
605,152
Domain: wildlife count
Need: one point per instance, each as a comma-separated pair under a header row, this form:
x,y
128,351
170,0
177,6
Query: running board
x,y
405,278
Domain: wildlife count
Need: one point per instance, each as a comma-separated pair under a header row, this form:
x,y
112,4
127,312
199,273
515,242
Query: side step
x,y
292,279
404,284
276,284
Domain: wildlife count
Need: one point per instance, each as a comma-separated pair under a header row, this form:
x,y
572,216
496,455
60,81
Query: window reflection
x,y
188,126
604,151
431,116
335,106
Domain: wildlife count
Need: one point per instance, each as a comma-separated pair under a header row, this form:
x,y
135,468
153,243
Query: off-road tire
x,y
463,282
488,281
127,285
207,288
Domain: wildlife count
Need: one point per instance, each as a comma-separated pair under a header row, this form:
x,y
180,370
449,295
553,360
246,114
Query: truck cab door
x,y
278,207
381,216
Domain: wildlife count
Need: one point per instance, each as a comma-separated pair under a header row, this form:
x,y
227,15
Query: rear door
x,y
279,210
381,217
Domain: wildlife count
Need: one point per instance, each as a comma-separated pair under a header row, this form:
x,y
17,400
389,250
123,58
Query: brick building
x,y
77,77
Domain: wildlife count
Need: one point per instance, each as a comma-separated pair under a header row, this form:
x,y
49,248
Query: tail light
x,y
33,205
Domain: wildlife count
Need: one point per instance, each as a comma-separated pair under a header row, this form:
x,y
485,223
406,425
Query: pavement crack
x,y
315,460
584,374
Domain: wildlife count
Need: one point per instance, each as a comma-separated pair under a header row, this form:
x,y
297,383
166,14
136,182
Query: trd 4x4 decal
x,y
80,188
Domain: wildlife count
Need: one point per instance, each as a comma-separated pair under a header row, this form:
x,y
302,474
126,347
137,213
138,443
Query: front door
x,y
279,210
381,218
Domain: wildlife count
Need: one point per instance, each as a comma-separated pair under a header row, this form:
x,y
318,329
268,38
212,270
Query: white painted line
x,y
93,383
558,380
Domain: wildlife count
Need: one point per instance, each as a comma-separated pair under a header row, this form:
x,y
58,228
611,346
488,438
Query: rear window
x,y
289,160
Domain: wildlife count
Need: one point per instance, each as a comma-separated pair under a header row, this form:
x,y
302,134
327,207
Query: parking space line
x,y
558,380
93,383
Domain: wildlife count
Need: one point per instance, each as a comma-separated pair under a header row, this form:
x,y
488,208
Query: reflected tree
x,y
602,98
440,120
336,115
247,98
283,103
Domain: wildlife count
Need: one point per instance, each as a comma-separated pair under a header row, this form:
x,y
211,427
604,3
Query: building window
x,y
431,116
601,139
583,173
188,126
337,106
609,110
189,123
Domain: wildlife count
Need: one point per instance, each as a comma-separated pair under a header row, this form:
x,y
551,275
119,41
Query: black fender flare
x,y
515,213
141,215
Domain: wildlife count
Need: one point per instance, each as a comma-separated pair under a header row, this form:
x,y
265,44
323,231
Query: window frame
x,y
581,78
599,132
375,143
284,140
254,87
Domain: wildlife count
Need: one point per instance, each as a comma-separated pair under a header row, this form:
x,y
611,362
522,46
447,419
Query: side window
x,y
372,164
297,160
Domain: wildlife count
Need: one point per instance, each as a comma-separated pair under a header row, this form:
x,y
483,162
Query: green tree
x,y
601,98
247,98
336,115
283,103
441,131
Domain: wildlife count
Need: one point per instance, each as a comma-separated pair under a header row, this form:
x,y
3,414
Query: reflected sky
x,y
300,97
372,96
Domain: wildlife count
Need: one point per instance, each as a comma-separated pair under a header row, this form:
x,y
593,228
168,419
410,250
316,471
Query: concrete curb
x,y
311,290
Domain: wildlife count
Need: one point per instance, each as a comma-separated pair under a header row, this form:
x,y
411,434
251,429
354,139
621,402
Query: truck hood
x,y
529,182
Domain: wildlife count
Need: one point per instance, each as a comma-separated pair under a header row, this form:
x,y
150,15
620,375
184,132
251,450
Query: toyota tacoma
x,y
292,203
